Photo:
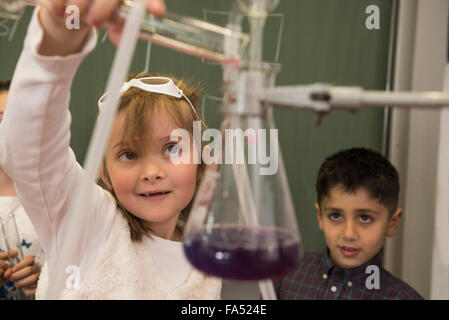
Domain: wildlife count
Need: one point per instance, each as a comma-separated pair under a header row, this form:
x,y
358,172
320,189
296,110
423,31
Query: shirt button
x,y
334,289
349,284
324,276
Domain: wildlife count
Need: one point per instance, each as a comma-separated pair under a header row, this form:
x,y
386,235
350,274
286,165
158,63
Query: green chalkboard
x,y
321,41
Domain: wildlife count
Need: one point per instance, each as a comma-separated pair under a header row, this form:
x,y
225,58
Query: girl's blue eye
x,y
173,149
127,156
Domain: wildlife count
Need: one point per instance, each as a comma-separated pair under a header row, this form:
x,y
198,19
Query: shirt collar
x,y
352,273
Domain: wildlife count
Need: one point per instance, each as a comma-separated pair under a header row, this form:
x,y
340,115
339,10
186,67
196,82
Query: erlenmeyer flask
x,y
242,225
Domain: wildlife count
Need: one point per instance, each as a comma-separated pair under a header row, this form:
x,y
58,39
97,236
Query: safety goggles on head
x,y
162,85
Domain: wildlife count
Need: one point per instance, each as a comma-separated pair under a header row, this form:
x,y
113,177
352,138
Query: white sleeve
x,y
34,145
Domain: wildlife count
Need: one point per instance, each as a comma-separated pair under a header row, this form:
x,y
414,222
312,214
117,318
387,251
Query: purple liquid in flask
x,y
243,253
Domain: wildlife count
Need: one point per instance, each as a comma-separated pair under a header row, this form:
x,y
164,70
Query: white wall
x,y
414,146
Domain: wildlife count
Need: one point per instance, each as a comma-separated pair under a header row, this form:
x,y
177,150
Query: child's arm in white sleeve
x,y
35,137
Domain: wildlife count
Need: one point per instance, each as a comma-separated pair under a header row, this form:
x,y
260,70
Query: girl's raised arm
x,y
35,134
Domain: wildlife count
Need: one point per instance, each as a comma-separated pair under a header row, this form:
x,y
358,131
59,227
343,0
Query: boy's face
x,y
355,226
3,96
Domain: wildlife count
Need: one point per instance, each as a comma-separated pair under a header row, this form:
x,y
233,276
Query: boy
x,y
4,87
357,192
26,273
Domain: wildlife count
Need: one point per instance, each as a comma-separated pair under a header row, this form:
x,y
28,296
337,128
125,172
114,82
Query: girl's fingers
x,y
27,261
102,11
156,6
98,12
7,255
58,7
31,286
115,33
30,280
36,268
7,273
5,270
83,6
115,29
22,273
25,268
3,266
29,292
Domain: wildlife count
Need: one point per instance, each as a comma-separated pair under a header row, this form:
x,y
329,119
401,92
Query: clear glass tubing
x,y
185,34
11,240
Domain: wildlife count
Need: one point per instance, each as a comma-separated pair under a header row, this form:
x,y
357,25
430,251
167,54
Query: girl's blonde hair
x,y
140,106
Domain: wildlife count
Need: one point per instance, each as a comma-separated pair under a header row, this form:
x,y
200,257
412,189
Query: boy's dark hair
x,y
4,85
360,168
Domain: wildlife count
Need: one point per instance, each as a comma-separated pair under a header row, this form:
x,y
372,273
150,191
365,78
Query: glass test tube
x,y
12,243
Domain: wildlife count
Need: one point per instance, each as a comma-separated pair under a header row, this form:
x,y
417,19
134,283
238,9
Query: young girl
x,y
131,245
26,273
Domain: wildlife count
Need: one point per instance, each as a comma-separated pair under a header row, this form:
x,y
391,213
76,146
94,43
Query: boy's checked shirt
x,y
317,278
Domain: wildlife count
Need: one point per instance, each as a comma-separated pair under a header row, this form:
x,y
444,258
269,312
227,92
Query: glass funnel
x,y
242,225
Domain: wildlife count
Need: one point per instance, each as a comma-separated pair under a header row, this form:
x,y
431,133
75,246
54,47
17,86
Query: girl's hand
x,y
3,267
25,275
59,40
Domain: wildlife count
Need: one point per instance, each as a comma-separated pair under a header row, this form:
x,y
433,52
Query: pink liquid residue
x,y
235,61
